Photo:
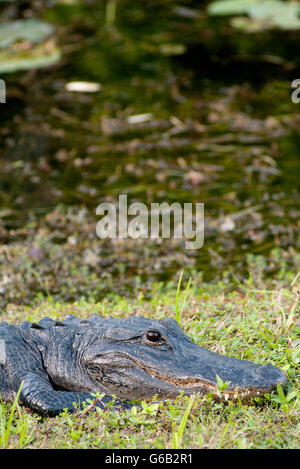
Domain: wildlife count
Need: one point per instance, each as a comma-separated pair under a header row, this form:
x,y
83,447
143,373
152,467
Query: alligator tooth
x,y
226,397
235,395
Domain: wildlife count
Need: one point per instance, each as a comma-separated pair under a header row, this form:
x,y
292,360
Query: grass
x,y
179,308
178,434
255,325
9,425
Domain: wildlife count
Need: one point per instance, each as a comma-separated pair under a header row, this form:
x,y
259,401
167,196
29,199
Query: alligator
x,y
60,365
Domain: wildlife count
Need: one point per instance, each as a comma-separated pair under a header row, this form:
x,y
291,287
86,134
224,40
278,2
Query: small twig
x,y
278,299
7,255
273,292
295,279
91,406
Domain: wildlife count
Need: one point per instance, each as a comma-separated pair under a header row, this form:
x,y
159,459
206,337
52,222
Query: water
x,y
221,130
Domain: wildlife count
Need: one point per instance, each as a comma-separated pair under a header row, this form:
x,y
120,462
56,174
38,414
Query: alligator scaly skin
x,y
62,363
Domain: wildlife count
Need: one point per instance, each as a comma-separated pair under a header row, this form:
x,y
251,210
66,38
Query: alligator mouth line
x,y
198,384
237,393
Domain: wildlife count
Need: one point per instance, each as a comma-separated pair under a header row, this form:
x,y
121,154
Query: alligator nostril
x,y
257,370
270,376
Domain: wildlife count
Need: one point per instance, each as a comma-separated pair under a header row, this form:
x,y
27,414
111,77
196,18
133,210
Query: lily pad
x,y
39,56
277,13
230,7
261,14
31,30
27,44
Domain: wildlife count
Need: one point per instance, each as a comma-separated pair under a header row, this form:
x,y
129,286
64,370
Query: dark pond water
x,y
219,127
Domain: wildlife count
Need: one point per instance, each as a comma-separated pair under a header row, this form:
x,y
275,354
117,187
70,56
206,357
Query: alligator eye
x,y
153,336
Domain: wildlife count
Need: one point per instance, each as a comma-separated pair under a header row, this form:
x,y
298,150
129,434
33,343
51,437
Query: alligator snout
x,y
268,377
244,378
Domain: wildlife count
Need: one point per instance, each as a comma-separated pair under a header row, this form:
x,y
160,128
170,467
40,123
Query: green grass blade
x,y
186,292
179,310
177,298
6,425
177,435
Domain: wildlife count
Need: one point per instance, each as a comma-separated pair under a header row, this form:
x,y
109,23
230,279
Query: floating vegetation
x,y
211,121
27,44
262,15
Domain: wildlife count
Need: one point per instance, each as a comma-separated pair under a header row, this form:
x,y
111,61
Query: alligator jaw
x,y
148,381
199,386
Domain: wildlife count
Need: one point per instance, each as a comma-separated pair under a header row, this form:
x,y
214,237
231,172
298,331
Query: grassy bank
x,y
245,322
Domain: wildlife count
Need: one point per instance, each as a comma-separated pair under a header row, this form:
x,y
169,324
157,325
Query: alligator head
x,y
138,358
